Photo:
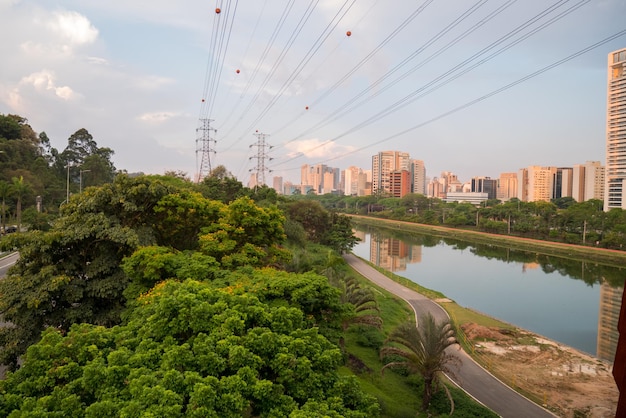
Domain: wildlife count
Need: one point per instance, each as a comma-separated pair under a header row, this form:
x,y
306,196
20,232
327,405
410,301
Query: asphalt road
x,y
471,377
7,261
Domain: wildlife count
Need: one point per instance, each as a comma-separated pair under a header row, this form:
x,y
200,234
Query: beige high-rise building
x,y
536,183
418,181
588,181
383,164
507,186
615,189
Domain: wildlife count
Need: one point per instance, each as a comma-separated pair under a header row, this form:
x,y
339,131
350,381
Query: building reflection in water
x,y
393,254
608,316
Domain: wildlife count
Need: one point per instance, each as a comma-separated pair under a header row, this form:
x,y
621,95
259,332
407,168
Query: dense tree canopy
x,y
73,273
187,350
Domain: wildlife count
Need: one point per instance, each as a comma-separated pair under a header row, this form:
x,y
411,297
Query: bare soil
x,y
566,381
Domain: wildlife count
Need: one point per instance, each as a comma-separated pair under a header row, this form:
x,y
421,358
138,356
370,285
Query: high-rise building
x,y
278,184
418,177
484,185
320,178
562,184
536,183
351,181
399,183
615,189
507,186
383,164
588,181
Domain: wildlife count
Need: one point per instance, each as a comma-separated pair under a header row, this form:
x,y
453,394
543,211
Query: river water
x,y
574,302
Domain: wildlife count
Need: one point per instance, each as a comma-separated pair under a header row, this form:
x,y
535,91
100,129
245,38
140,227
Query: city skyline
x,y
477,89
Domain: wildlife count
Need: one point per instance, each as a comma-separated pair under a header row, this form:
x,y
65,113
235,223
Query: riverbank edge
x,y
614,258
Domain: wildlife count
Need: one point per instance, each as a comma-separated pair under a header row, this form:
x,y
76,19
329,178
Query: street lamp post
x,y
80,176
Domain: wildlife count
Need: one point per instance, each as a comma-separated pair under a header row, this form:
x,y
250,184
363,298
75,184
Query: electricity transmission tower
x,y
204,147
261,157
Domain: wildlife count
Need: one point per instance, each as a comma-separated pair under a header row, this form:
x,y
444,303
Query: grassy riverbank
x,y
570,251
398,395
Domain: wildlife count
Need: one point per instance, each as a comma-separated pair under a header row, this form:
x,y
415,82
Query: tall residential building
x,y
588,181
320,178
351,181
507,186
418,177
383,164
399,183
277,184
615,189
536,183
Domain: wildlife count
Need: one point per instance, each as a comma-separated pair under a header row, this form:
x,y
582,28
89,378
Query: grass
x,y
398,395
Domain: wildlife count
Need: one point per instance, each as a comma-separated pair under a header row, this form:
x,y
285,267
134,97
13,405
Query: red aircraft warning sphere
x,y
202,100
348,33
237,71
307,108
217,10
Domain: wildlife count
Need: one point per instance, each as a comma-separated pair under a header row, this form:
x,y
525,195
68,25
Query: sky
x,y
476,88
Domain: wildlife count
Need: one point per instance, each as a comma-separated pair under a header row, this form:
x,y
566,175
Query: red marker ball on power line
x,y
218,10
348,33
307,108
237,71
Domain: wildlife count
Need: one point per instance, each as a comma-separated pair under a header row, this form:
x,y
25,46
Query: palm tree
x,y
19,190
422,350
366,311
5,192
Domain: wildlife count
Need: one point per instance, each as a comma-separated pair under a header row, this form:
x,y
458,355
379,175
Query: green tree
x,y
312,216
81,154
422,350
19,189
187,350
245,234
221,185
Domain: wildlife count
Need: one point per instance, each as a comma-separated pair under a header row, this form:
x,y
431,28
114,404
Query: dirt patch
x,y
566,381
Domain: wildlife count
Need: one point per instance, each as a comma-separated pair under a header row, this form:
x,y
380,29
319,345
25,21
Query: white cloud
x,y
42,81
74,28
157,117
316,148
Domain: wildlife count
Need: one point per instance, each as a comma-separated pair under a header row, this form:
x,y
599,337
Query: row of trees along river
x,y
561,220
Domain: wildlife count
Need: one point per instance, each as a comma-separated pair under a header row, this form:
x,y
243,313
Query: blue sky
x,y
135,74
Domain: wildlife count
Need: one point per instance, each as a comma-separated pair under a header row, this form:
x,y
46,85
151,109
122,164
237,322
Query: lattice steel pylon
x,y
204,148
261,156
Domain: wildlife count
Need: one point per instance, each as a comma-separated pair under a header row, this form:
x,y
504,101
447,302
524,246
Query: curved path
x,y
471,377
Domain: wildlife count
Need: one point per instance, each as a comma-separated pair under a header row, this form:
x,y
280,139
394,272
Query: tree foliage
x,y
187,350
74,272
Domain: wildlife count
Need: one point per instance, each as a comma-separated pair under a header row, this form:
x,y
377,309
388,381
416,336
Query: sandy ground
x,y
568,382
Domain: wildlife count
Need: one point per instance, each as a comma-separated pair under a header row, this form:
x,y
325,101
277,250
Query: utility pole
x,y
204,147
261,156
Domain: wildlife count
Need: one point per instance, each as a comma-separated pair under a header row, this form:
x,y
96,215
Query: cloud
x,y
45,81
316,148
157,117
73,27
42,83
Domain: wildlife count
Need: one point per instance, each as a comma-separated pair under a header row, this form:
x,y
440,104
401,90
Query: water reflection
x,y
534,291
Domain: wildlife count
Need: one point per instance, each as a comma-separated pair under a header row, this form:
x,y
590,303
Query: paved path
x,y
471,377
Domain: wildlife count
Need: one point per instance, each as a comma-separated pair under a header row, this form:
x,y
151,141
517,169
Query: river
x,y
573,302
